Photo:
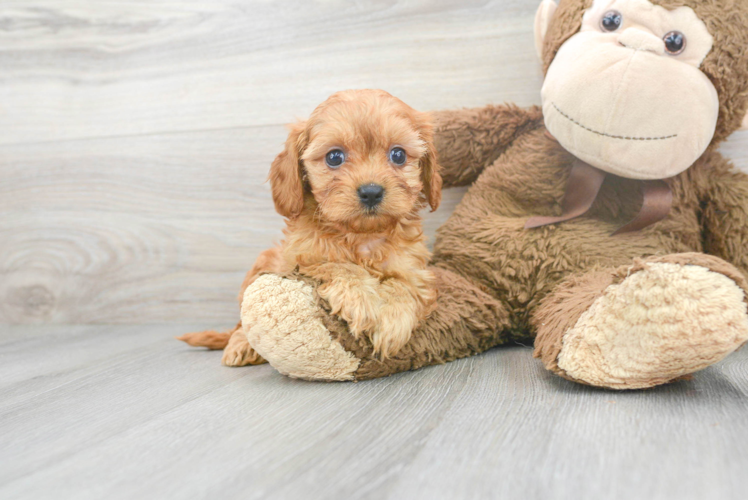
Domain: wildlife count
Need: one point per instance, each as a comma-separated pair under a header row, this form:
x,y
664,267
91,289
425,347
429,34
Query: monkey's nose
x,y
370,195
641,40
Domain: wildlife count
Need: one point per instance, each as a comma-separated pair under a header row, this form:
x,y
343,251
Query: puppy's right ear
x,y
285,174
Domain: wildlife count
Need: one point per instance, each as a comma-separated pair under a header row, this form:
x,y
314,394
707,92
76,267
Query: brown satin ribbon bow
x,y
583,187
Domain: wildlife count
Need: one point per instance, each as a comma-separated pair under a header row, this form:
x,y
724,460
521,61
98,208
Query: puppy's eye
x,y
675,42
611,21
398,156
335,158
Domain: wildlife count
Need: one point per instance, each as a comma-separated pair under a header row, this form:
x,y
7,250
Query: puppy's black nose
x,y
370,195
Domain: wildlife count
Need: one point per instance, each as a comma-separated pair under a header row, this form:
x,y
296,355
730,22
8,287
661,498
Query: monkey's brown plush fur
x,y
627,311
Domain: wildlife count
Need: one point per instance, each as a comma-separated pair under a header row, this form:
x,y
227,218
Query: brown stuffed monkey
x,y
606,227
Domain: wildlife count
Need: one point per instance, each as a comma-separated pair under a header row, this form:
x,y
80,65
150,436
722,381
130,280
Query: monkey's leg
x,y
291,327
644,324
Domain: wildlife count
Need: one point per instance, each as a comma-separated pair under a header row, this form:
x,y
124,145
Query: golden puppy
x,y
351,182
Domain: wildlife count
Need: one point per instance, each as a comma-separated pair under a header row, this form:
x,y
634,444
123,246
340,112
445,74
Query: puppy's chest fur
x,y
379,255
366,248
375,254
391,253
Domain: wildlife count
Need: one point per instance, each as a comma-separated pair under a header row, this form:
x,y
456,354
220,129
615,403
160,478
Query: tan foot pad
x,y
660,323
282,324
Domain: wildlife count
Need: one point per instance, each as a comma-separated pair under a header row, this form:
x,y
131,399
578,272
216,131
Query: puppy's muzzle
x,y
370,195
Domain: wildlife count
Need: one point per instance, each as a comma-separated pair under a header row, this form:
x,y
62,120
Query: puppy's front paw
x,y
394,328
357,305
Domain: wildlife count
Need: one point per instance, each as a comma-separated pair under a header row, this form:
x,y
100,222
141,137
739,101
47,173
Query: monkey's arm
x,y
468,140
725,214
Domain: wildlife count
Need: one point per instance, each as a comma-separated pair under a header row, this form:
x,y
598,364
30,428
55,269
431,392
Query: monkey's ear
x,y
430,177
285,174
543,18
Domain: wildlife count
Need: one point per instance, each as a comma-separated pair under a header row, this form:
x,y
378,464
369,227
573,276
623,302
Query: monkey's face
x,y
626,95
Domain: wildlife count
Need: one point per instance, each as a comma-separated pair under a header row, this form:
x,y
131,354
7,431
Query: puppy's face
x,y
366,158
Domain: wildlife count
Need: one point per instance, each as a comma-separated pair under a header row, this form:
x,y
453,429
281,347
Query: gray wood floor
x,y
127,412
135,138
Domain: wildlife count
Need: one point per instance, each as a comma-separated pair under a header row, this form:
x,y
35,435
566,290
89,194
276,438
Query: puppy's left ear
x,y
285,174
430,177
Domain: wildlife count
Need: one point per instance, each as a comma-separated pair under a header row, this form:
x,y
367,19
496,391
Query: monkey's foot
x,y
283,325
645,324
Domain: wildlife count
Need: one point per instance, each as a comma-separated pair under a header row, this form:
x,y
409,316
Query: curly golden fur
x,y
371,261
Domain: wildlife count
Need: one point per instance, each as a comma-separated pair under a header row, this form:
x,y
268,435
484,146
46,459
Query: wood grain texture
x,y
128,412
135,136
107,68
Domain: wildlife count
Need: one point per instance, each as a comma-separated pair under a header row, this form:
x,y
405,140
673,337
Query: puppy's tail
x,y
211,339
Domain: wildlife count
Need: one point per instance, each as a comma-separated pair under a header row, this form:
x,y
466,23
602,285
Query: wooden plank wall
x,y
135,136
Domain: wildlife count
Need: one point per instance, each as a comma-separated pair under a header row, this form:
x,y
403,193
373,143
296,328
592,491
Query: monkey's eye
x,y
398,156
611,21
335,158
675,42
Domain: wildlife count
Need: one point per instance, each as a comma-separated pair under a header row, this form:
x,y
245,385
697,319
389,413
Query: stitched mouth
x,y
622,137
